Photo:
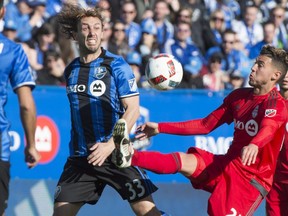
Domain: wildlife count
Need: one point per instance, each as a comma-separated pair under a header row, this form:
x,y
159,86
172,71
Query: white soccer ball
x,y
164,72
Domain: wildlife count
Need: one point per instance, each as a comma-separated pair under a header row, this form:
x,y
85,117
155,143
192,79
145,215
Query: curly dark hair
x,y
71,14
279,58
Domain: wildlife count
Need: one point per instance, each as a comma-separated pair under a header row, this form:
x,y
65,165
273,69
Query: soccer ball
x,y
164,72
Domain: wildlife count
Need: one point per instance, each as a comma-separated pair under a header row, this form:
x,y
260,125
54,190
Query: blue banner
x,y
53,128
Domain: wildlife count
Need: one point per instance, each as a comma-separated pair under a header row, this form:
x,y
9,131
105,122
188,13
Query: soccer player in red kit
x,y
239,180
277,199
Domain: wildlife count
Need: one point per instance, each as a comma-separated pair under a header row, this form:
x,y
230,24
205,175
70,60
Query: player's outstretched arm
x,y
147,130
28,118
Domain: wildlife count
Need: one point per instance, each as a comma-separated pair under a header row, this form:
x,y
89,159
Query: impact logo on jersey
x,y
97,88
270,112
99,72
132,85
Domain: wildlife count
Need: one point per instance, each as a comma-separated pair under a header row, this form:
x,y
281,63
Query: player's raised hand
x,y
249,154
146,130
32,156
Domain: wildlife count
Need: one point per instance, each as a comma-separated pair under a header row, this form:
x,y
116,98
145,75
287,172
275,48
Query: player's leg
x,y
154,161
76,188
4,185
146,206
277,200
67,209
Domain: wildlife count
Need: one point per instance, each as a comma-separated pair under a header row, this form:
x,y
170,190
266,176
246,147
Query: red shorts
x,y
231,193
277,200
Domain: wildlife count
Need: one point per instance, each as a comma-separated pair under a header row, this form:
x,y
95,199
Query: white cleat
x,y
123,146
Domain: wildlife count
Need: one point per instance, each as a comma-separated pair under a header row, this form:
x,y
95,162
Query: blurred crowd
x,y
216,41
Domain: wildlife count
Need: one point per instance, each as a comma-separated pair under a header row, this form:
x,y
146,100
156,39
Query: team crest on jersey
x,y
255,112
97,88
270,112
132,84
99,72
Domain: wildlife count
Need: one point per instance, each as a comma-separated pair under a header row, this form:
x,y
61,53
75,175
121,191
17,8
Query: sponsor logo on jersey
x,y
251,127
75,88
97,88
99,72
270,112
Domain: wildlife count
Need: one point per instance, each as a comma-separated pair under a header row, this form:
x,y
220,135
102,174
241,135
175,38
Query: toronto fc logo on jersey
x,y
270,112
99,72
97,88
255,112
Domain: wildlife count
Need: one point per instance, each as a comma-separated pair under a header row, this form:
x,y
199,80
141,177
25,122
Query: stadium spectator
x,y
15,73
95,110
188,54
278,17
144,9
236,80
118,42
132,29
10,30
52,71
269,35
249,30
232,59
148,46
214,78
42,41
165,29
240,179
212,33
107,34
198,21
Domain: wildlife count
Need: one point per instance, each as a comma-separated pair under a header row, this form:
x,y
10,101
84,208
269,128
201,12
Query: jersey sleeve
x,y
199,126
21,74
124,78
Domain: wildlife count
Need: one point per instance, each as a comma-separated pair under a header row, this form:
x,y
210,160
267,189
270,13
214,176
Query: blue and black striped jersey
x,y
95,91
16,70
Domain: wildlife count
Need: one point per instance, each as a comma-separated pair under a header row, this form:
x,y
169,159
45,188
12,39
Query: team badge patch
x,y
270,112
99,72
132,84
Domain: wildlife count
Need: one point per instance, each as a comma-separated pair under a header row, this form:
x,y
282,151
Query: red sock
x,y
157,162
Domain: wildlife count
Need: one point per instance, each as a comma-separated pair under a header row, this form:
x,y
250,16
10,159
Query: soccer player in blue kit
x,y
15,68
101,89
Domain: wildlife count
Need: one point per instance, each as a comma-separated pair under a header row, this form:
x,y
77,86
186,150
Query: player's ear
x,y
277,75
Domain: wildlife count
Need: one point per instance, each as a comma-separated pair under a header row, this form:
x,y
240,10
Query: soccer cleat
x,y
123,146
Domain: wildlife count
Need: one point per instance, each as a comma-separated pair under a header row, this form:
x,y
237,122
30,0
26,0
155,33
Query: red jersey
x,y
258,119
281,173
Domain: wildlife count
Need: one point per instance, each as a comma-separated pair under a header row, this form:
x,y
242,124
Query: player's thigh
x,y
234,194
4,185
67,209
132,183
77,183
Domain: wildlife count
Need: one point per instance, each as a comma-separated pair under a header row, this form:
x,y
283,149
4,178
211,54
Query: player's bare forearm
x,y
132,110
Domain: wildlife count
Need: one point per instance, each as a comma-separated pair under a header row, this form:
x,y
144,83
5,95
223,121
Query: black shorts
x,y
4,185
83,182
